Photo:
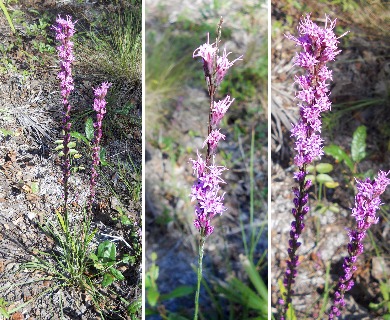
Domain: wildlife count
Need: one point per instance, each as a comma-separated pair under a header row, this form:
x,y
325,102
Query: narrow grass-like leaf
x,y
256,280
7,16
180,291
326,292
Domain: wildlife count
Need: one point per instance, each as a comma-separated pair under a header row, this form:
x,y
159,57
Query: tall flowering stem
x,y
367,203
205,190
319,45
99,105
64,33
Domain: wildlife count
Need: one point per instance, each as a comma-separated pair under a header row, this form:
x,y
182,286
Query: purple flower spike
x,y
99,105
319,45
64,32
367,203
205,191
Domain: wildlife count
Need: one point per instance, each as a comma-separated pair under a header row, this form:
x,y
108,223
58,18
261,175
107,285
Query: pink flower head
x,y
64,28
213,139
207,52
220,109
223,65
100,93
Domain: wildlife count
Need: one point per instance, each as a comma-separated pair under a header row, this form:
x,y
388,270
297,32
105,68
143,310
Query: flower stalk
x,y
319,46
99,105
205,190
64,33
367,202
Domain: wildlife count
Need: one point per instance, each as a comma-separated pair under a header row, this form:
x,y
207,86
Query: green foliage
x,y
41,42
69,265
6,132
134,309
6,311
89,129
245,83
384,285
34,187
255,301
346,5
3,308
251,241
153,296
73,153
358,150
319,174
79,137
166,69
326,292
358,145
118,52
104,260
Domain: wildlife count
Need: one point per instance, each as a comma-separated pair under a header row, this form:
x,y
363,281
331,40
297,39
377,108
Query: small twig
x,y
117,238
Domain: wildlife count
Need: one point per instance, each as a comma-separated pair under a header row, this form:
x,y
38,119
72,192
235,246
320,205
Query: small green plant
x,y
105,260
358,150
155,299
3,308
346,5
133,308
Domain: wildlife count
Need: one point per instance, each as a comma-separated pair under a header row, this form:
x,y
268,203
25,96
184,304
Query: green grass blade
x,y
256,280
5,11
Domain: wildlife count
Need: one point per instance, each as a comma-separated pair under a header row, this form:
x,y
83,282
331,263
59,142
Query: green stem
x,y
320,192
200,259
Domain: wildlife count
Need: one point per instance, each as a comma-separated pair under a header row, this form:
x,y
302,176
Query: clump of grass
x,y
69,262
167,68
126,46
117,52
